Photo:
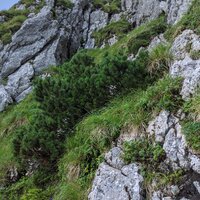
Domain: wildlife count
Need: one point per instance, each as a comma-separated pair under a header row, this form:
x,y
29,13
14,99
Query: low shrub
x,y
77,88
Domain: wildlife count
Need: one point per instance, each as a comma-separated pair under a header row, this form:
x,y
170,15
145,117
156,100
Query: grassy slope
x,y
10,119
95,133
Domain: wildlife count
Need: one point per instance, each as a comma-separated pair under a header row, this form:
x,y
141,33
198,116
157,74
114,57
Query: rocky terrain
x,y
116,180
54,34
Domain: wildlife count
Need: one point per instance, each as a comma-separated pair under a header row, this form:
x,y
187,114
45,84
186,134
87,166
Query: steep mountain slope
x,y
59,29
127,105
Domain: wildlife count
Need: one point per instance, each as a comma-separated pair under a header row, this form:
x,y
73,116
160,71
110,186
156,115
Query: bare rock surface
x,y
115,180
184,65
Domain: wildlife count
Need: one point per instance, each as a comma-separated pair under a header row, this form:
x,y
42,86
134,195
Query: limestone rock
x,y
94,20
13,174
142,10
35,34
184,66
5,98
111,183
20,80
176,9
160,126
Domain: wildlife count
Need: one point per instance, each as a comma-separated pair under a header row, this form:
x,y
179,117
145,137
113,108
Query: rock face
x,y
56,32
148,10
184,65
115,180
5,98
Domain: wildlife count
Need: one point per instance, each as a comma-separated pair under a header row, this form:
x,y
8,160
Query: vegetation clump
x,y
63,105
192,132
109,6
117,29
145,152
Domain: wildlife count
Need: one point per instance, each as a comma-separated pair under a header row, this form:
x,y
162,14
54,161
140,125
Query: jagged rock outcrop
x,y
147,10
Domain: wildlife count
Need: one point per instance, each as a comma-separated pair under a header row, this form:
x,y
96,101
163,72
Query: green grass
x,y
13,117
160,59
195,55
119,29
192,133
109,6
25,189
131,42
94,135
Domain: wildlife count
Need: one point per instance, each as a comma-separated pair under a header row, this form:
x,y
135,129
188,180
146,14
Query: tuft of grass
x,y
109,6
143,37
195,55
132,41
8,28
192,134
14,19
160,59
145,152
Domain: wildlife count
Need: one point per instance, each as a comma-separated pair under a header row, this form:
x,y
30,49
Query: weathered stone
x,y
93,22
176,9
195,163
111,183
157,195
23,94
184,66
13,174
175,147
5,98
20,80
112,40
114,158
35,34
197,185
142,10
